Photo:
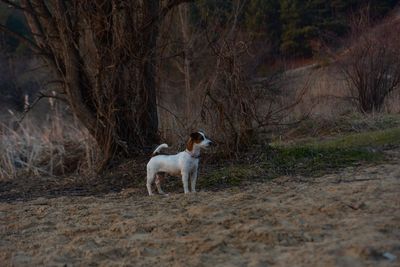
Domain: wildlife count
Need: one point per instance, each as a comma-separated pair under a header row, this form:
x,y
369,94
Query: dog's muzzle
x,y
211,143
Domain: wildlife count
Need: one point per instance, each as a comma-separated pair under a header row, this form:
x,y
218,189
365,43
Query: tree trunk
x,y
105,52
106,56
122,88
184,21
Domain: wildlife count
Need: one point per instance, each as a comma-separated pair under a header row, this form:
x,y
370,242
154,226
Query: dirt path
x,y
346,219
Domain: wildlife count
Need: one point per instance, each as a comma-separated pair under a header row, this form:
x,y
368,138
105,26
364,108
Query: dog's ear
x,y
195,136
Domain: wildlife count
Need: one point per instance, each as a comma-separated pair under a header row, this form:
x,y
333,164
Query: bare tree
x,y
104,55
213,73
371,63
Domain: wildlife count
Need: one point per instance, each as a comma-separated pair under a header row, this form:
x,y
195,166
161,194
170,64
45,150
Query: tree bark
x,y
184,21
106,55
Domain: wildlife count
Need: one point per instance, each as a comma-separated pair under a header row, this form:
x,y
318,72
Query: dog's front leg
x,y
193,180
185,181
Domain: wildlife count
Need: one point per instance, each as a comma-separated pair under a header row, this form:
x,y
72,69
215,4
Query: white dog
x,y
183,164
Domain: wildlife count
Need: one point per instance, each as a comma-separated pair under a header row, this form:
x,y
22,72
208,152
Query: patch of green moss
x,y
232,175
371,139
313,161
307,158
319,157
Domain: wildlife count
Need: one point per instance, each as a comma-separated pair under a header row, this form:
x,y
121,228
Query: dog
x,y
185,163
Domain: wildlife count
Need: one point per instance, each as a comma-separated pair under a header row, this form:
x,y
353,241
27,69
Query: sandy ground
x,y
351,218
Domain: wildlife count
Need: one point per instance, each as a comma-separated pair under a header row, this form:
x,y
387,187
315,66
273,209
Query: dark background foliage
x,y
291,28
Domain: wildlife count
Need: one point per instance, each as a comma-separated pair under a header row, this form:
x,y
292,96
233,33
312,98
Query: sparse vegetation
x,y
309,157
49,147
371,63
320,127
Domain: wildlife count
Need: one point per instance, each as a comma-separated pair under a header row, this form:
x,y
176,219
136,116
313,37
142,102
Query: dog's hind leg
x,y
150,180
159,179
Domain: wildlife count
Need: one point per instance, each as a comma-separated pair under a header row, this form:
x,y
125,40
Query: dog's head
x,y
198,139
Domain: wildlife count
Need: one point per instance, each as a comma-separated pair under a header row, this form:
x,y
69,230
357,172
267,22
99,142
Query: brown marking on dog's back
x,y
195,138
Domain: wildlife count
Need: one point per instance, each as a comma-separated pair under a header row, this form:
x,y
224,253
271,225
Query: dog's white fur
x,y
185,164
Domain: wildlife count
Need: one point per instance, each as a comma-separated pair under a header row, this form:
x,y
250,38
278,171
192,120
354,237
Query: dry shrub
x,y
229,100
208,84
237,108
53,147
371,64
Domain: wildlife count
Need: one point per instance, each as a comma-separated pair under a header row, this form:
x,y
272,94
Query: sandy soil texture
x,y
351,218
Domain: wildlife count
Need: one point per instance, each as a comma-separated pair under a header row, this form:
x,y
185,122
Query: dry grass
x,y
50,147
325,126
59,146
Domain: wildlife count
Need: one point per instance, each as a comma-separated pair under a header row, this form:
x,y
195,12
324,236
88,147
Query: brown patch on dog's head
x,y
195,138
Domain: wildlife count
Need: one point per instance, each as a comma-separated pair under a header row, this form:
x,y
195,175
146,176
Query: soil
x,y
350,218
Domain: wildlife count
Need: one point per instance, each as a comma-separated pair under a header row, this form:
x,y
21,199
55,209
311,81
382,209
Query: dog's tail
x,y
157,150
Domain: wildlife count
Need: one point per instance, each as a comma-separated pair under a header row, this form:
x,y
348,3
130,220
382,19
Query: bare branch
x,y
164,11
40,96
